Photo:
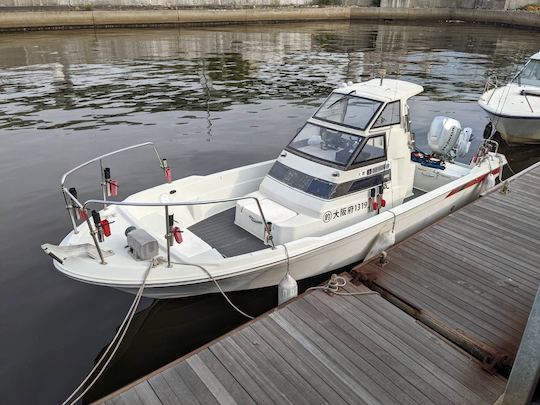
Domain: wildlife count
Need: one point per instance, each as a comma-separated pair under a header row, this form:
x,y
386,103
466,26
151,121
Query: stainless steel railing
x,y
491,84
70,200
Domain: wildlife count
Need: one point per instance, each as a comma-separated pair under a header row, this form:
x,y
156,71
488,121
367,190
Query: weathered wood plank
x,y
302,360
285,375
197,387
163,390
380,316
332,364
408,352
220,393
146,394
179,386
234,388
260,394
404,386
477,269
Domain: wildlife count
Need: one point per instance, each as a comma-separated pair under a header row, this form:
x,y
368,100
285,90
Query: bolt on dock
x,y
439,320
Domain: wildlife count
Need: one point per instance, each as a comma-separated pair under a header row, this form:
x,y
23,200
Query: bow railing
x,y
75,207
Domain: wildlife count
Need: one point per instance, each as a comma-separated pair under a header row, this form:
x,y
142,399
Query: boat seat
x,y
249,217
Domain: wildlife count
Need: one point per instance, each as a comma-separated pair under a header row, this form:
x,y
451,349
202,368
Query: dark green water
x,y
211,99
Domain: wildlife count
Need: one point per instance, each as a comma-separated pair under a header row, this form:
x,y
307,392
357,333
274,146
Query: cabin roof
x,y
390,89
536,56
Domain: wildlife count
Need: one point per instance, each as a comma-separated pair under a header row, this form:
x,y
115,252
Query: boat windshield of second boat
x,y
530,75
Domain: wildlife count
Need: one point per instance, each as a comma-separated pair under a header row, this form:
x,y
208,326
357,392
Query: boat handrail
x,y
166,205
65,192
491,83
105,155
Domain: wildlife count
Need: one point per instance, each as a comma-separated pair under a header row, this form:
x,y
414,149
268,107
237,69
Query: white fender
x,y
287,289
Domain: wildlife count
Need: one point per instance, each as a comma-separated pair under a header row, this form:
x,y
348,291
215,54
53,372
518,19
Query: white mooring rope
x,y
335,283
219,288
117,339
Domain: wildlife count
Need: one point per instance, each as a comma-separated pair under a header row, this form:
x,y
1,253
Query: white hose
x,y
118,336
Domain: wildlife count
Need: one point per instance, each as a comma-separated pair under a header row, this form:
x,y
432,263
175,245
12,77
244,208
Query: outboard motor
x,y
447,140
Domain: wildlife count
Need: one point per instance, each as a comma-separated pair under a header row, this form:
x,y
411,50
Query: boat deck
x,y
319,348
220,232
473,275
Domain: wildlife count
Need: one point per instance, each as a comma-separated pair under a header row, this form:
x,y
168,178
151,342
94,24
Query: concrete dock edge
x,y
38,20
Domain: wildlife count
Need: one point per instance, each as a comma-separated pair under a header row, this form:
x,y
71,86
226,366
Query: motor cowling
x,y
447,139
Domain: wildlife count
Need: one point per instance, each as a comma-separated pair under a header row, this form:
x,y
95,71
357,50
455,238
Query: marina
x,y
362,347
212,99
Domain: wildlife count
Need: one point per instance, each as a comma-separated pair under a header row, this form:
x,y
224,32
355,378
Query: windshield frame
x,y
323,161
518,77
348,95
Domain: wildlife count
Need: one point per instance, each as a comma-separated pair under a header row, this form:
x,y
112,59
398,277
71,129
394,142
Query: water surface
x,y
211,99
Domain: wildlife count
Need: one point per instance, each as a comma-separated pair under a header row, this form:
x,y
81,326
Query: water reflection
x,y
210,98
107,78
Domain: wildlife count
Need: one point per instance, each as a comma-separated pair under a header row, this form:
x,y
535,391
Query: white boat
x,y
350,182
514,109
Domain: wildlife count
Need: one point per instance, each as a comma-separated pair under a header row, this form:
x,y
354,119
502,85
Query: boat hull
x,y
517,130
308,256
410,218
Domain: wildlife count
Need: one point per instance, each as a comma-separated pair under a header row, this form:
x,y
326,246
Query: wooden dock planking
x,y
473,275
322,349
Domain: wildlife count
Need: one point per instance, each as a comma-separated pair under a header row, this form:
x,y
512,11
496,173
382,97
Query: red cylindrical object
x,y
113,184
383,202
177,233
106,227
375,205
168,174
82,214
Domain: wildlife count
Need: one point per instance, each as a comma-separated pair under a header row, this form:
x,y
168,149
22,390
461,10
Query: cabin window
x,y
390,115
530,74
375,148
348,110
325,144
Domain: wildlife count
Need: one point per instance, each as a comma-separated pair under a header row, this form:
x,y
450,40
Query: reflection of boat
x,y
350,182
514,109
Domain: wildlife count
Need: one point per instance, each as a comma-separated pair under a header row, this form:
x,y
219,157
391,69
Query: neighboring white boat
x,y
350,182
514,109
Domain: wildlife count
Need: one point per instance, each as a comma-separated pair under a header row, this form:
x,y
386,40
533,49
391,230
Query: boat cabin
x,y
348,162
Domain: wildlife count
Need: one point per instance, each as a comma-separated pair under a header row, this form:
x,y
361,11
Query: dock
x,y
321,348
472,276
438,319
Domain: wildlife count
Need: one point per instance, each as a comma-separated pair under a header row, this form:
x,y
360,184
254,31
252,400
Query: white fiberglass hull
x,y
517,129
308,256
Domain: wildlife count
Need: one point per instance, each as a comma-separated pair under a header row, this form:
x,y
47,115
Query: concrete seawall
x,y
35,20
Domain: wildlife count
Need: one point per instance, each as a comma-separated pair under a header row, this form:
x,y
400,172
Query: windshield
x,y
348,110
326,144
530,74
